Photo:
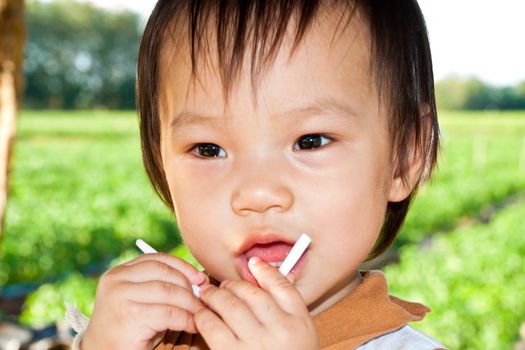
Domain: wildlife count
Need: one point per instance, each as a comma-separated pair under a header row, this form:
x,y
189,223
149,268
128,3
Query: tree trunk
x,y
12,37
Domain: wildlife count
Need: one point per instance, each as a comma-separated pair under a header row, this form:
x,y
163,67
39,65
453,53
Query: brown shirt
x,y
365,313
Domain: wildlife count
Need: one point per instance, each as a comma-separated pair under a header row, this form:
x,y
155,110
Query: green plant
x,y
79,196
479,166
47,304
472,279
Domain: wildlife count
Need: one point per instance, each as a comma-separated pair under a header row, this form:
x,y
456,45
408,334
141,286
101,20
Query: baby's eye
x,y
311,141
208,150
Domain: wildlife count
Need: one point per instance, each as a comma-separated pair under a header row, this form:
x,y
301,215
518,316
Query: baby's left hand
x,y
245,316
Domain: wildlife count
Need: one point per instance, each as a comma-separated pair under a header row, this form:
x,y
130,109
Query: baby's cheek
x,y
203,239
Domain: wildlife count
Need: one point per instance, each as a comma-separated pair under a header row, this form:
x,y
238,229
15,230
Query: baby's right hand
x,y
139,300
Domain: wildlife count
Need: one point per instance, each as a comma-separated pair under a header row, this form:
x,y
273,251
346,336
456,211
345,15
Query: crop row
x,y
466,182
473,280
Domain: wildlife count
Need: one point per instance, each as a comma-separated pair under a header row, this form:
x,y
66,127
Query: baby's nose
x,y
260,191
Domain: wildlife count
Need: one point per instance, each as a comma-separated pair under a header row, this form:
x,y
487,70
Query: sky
x,y
480,38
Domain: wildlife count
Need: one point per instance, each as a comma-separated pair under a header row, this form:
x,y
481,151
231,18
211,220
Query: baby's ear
x,y
411,166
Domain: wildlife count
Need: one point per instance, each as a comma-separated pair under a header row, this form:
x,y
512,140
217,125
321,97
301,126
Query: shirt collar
x,y
365,313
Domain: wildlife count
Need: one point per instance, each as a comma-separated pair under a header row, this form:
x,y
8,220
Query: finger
x,y
192,274
282,291
233,311
160,292
160,317
215,332
150,270
259,301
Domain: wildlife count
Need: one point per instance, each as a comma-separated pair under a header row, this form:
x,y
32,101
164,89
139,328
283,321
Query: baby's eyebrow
x,y
323,105
188,117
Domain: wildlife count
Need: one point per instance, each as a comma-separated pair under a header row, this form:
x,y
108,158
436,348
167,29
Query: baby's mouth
x,y
273,253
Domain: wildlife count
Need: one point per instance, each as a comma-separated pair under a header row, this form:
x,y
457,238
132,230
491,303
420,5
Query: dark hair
x,y
401,63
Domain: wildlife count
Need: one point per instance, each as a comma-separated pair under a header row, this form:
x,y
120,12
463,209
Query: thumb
x,y
279,287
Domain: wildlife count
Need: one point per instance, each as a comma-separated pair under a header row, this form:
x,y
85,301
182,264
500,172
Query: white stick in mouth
x,y
295,254
147,249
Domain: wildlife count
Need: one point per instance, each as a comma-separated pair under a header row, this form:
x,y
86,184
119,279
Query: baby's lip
x,y
270,252
270,247
261,239
273,252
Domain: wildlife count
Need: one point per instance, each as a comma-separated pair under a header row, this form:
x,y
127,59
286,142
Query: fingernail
x,y
254,261
200,277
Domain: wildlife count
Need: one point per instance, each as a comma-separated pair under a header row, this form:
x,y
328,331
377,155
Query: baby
x,y
261,120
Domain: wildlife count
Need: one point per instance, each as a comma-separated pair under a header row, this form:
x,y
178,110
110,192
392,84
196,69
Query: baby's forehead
x,y
331,55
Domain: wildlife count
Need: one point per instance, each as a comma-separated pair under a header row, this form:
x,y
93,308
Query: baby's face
x,y
314,156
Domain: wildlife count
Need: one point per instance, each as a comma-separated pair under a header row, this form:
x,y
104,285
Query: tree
x,y
454,92
479,95
451,93
12,37
80,56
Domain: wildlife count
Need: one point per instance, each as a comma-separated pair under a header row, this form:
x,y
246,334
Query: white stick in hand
x,y
147,249
295,254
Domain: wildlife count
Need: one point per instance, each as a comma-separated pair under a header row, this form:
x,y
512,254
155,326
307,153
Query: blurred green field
x,y
474,280
80,197
482,162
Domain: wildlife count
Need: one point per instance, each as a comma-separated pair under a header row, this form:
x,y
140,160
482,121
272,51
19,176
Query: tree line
x,y
454,92
81,56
